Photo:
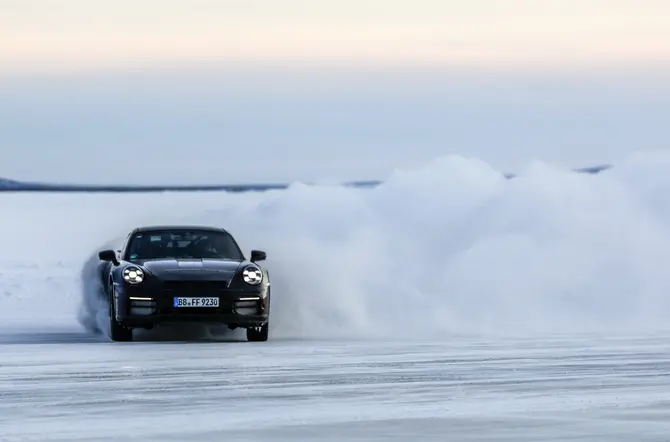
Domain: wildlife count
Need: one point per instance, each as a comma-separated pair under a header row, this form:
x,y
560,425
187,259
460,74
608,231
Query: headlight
x,y
133,275
252,275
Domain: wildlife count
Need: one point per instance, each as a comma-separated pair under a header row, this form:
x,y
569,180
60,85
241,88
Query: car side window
x,y
125,250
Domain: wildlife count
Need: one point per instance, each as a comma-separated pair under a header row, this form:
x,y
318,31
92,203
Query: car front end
x,y
194,293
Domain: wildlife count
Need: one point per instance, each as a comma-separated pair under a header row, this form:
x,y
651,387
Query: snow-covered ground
x,y
449,304
64,386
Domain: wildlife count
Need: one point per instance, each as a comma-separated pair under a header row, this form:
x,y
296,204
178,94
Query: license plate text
x,y
196,302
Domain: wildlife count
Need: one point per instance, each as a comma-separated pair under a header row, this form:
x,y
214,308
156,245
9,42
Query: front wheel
x,y
117,332
258,334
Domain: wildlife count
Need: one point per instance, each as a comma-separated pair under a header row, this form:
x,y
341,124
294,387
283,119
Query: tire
x,y
117,332
258,334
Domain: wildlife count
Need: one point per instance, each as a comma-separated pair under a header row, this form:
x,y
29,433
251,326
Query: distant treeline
x,y
7,185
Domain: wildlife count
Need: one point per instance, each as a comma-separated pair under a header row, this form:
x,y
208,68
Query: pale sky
x,y
68,34
342,89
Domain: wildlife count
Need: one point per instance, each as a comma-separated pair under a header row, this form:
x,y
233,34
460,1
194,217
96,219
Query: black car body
x,y
194,274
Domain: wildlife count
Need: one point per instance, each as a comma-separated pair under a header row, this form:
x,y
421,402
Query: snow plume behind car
x,y
452,247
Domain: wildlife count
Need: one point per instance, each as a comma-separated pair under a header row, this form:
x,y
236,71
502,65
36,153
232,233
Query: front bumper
x,y
140,307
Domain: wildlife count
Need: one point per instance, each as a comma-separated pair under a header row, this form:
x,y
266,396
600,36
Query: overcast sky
x,y
267,90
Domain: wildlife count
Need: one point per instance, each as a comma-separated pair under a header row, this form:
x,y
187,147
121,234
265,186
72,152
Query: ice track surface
x,y
588,389
449,304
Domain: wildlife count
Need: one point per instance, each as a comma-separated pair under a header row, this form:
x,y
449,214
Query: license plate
x,y
196,302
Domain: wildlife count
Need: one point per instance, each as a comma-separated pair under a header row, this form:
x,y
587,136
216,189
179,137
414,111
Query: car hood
x,y
176,269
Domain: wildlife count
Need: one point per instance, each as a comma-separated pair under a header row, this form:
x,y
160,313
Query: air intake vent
x,y
203,288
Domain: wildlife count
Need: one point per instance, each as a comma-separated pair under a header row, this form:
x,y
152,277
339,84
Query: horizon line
x,y
10,185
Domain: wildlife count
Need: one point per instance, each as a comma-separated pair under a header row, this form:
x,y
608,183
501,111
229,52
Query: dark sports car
x,y
184,274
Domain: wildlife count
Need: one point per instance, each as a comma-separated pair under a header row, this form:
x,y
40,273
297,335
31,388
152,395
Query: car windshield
x,y
183,244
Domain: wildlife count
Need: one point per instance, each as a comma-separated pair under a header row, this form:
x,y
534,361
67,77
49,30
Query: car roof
x,y
155,228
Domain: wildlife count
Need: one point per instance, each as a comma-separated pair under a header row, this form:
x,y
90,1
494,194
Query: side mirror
x,y
108,255
258,255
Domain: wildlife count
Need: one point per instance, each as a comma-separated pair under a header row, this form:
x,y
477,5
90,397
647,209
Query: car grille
x,y
194,288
